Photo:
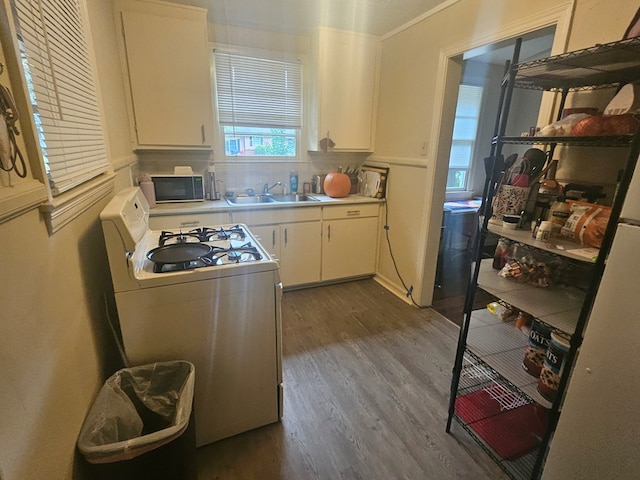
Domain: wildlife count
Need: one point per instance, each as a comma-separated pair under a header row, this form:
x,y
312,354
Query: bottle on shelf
x,y
558,214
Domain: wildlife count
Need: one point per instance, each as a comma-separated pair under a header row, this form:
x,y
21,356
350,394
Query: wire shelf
x,y
601,66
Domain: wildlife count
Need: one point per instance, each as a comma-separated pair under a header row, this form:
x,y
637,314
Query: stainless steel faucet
x,y
267,188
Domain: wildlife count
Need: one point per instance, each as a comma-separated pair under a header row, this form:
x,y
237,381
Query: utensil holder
x,y
509,200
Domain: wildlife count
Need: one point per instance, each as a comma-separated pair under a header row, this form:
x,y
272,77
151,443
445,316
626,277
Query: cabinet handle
x,y
286,236
273,238
202,133
328,233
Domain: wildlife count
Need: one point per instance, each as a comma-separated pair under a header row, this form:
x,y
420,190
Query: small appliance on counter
x,y
181,186
373,181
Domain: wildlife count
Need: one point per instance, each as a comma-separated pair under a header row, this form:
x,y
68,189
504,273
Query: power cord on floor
x,y
409,290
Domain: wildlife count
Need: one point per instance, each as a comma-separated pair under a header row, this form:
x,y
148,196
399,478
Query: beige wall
x,y
409,112
55,346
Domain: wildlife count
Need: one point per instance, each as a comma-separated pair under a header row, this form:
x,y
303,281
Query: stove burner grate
x,y
208,234
243,253
202,234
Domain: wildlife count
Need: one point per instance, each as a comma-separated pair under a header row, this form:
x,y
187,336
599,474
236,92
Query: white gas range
x,y
210,296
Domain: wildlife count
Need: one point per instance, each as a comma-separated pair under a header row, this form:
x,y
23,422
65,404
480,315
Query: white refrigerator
x,y
598,434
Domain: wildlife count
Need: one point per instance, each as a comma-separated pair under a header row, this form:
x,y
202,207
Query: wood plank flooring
x,y
366,382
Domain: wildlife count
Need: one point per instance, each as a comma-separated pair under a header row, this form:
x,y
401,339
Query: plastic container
x,y
558,214
511,222
141,425
148,190
544,230
293,181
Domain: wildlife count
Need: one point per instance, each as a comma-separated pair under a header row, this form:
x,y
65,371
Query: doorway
x,y
482,69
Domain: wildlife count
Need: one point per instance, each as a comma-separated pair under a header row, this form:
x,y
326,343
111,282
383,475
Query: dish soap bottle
x,y
293,181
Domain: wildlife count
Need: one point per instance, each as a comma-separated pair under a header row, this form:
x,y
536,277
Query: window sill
x,y
20,198
70,205
458,196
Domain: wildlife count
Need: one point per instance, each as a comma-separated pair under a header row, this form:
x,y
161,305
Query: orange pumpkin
x,y
337,185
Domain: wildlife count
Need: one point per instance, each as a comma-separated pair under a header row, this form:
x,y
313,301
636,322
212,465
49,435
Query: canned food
x,y
534,354
553,365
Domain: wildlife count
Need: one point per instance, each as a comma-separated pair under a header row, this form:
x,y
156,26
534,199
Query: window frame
x,y
35,191
300,136
471,143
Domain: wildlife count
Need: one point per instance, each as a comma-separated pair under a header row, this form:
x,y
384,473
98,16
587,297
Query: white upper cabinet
x,y
166,61
346,89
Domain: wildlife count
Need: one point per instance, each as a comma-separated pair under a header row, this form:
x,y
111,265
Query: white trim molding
x,y
20,198
66,207
433,11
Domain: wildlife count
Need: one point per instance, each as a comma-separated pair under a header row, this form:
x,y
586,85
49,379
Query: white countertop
x,y
223,206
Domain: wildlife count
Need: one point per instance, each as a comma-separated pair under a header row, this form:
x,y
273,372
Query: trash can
x,y
141,425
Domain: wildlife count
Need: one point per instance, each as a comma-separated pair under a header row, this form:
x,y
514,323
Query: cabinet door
x,y
269,238
349,247
167,60
300,250
348,65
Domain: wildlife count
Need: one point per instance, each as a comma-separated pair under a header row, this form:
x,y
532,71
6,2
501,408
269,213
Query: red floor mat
x,y
510,433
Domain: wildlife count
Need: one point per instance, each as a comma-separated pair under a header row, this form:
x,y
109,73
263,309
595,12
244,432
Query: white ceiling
x,y
375,17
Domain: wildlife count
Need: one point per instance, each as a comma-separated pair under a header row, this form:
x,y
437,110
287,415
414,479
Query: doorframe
x,y
445,94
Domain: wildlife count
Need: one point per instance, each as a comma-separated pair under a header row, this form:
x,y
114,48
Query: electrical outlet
x,y
424,145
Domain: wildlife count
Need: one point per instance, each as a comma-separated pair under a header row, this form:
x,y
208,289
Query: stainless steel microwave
x,y
178,188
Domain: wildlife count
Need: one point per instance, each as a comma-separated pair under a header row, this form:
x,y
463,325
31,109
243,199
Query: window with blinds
x,y
465,129
259,105
58,66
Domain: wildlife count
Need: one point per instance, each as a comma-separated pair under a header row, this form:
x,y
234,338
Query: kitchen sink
x,y
251,199
294,198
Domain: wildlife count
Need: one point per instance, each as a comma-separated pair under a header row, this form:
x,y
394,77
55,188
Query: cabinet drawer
x,y
189,221
350,211
276,215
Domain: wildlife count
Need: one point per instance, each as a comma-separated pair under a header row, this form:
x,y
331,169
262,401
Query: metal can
x,y
553,364
539,337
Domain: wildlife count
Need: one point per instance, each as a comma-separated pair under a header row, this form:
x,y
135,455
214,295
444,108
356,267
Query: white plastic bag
x,y
137,410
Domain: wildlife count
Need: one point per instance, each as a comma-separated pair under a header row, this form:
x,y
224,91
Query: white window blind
x,y
59,72
258,92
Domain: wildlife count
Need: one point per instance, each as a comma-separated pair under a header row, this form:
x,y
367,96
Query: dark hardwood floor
x,y
366,382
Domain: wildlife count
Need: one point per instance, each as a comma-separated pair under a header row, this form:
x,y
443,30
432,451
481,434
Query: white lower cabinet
x,y
293,236
349,241
297,247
